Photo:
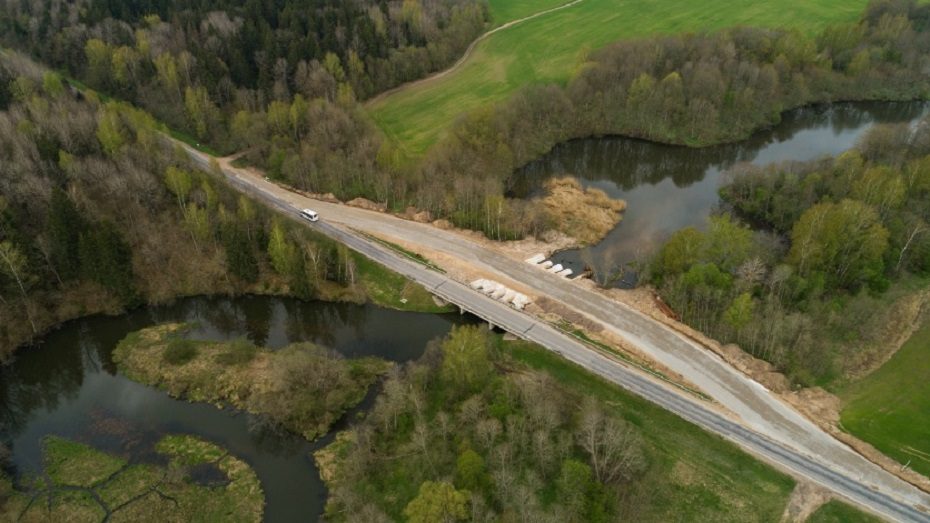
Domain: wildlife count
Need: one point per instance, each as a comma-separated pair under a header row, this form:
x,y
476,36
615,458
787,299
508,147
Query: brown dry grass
x,y
902,319
586,214
209,377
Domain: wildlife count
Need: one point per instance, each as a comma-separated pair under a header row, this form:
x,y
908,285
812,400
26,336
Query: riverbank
x,y
507,438
302,387
375,284
68,385
198,481
554,48
586,214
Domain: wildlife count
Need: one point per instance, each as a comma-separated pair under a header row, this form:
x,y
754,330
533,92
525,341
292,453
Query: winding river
x,y
68,385
670,187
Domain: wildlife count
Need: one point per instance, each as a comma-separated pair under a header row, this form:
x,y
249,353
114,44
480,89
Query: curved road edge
x,y
520,324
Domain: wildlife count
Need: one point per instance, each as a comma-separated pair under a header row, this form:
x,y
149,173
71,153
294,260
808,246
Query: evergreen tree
x,y
240,260
64,228
106,258
299,281
6,94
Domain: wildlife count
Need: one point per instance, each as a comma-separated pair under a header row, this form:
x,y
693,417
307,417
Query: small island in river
x,y
302,387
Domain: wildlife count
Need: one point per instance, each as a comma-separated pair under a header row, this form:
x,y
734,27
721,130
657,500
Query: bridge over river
x,y
741,410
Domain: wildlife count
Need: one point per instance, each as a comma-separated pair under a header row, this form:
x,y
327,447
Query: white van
x,y
310,215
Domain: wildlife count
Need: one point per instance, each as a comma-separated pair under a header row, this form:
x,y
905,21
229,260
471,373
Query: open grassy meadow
x,y
890,408
838,512
550,48
503,11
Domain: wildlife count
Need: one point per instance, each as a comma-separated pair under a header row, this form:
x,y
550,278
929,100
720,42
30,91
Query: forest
x,y
98,213
63,254
302,123
481,429
243,52
507,448
833,243
696,89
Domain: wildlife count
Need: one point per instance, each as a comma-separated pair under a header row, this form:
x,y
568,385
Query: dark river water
x,y
68,385
671,187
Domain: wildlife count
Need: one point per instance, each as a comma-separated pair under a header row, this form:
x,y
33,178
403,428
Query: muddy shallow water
x,y
670,187
68,385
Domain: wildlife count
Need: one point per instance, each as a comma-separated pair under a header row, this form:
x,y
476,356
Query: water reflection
x,y
68,385
669,187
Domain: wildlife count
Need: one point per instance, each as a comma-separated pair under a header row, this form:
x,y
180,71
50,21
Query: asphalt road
x,y
754,419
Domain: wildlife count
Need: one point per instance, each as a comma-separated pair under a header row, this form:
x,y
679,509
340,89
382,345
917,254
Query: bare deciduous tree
x,y
611,444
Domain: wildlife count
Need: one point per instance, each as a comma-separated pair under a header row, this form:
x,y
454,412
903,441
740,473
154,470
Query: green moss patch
x,y
65,507
69,463
190,451
136,493
129,484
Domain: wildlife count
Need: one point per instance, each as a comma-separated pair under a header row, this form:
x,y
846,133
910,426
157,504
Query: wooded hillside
x,y
98,212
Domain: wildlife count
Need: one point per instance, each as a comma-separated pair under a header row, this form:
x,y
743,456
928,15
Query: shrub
x,y
180,351
240,352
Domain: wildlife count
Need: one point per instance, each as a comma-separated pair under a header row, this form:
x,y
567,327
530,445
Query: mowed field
x,y
890,408
503,11
550,48
839,512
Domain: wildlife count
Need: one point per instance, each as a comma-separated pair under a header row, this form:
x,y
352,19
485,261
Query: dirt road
x,y
471,47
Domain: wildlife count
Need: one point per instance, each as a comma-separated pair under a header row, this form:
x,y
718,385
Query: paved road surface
x,y
756,419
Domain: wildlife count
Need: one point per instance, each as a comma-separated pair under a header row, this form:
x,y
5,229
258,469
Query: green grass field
x,y
890,408
550,48
503,11
839,512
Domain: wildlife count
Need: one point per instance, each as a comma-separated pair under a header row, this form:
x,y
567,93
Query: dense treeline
x,y
812,284
302,124
693,89
279,81
453,439
244,51
283,76
99,213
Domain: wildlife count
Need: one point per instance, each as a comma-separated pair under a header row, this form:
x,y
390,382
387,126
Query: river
x,y
68,385
670,187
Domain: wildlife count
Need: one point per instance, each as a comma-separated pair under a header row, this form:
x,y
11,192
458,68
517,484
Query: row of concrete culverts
x,y
501,293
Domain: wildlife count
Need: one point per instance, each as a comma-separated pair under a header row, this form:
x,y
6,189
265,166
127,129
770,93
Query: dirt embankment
x,y
586,214
817,404
902,319
805,499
